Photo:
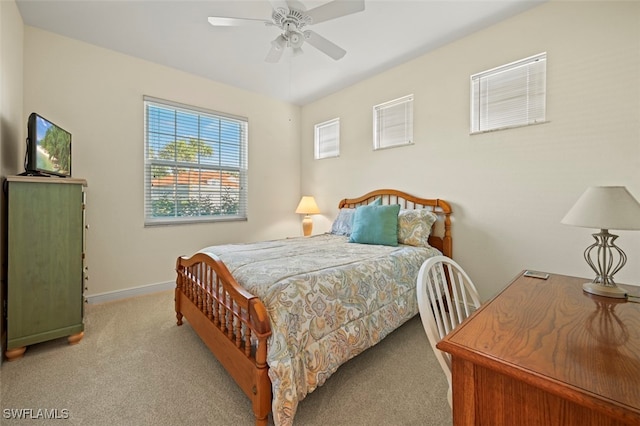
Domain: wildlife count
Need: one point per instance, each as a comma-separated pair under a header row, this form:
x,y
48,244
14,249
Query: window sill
x,y
508,127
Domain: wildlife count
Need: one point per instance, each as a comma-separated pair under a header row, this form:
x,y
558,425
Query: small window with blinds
x,y
511,95
195,164
327,139
393,123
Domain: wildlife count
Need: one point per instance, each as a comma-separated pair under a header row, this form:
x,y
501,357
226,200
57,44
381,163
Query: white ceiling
x,y
176,33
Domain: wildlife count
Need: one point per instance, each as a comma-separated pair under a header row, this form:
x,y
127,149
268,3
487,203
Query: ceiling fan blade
x,y
223,21
334,9
324,45
277,49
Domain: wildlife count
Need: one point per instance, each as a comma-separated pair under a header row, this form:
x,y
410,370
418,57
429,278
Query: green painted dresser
x,y
45,255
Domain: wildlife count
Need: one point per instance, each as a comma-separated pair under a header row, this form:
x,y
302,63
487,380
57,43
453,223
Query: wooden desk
x,y
543,352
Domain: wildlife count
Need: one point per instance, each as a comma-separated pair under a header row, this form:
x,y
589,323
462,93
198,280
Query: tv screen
x,y
48,148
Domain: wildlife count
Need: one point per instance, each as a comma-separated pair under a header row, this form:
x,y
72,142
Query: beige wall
x,y
12,126
509,189
11,123
97,95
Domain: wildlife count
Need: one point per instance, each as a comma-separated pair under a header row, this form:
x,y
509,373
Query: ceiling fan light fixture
x,y
295,39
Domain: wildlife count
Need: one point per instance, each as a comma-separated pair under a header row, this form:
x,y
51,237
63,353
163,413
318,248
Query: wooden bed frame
x,y
234,324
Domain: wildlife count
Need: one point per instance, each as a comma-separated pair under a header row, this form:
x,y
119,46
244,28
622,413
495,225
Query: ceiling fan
x,y
292,17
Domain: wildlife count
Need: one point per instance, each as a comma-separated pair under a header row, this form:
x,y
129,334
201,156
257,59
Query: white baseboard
x,y
129,292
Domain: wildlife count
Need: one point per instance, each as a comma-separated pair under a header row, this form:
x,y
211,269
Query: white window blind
x,y
195,164
393,123
510,95
327,139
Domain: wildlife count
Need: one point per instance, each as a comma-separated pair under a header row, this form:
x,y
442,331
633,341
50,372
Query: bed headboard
x,y
440,237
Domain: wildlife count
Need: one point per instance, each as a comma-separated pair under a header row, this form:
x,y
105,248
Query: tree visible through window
x,y
195,164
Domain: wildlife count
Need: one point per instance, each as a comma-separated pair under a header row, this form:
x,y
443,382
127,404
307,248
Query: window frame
x,y
378,130
236,174
318,152
531,97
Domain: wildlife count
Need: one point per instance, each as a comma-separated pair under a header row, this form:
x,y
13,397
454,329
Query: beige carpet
x,y
136,367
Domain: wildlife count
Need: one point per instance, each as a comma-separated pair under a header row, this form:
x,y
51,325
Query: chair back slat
x,y
457,284
436,295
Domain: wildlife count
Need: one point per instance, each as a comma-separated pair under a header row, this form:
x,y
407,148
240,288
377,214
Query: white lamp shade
x,y
605,207
307,206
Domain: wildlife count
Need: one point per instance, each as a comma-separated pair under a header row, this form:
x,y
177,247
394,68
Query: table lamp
x,y
307,207
604,208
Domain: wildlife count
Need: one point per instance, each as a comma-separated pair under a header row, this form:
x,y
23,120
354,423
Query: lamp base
x,y
307,225
604,290
604,252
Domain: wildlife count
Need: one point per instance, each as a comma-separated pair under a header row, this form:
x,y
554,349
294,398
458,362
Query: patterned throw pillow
x,y
342,224
414,227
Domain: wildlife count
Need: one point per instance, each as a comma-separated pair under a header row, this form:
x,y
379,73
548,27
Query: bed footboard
x,y
231,321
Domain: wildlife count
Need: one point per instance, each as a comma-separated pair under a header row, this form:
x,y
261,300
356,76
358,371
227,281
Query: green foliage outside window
x,y
168,206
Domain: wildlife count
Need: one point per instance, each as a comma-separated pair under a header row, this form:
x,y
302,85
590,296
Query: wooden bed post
x,y
261,403
447,246
262,396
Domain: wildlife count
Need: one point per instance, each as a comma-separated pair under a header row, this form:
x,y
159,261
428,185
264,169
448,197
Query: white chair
x,y
446,297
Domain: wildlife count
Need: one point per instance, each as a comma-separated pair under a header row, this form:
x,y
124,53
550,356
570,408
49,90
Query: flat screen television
x,y
48,148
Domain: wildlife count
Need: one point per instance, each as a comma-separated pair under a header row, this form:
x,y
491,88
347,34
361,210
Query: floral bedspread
x,y
328,300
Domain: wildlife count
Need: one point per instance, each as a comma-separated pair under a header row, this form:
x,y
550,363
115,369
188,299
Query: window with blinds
x,y
512,95
327,139
195,164
393,123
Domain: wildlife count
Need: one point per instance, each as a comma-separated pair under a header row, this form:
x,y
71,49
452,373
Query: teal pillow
x,y
374,224
376,202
